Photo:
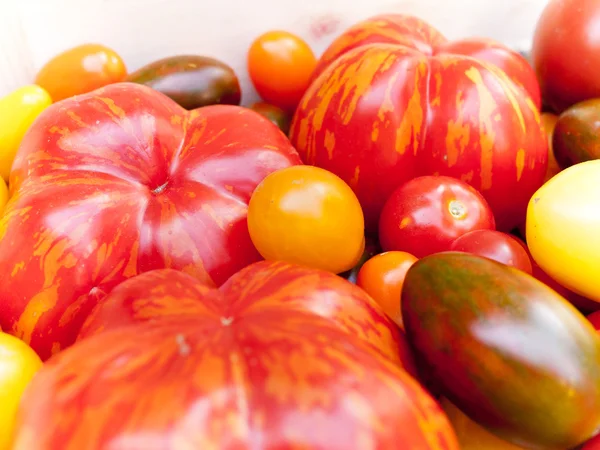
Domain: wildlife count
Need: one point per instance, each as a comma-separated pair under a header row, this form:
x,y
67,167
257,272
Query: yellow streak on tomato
x,y
78,120
413,117
39,304
436,99
113,107
507,86
329,143
520,163
405,222
458,133
487,136
563,219
354,180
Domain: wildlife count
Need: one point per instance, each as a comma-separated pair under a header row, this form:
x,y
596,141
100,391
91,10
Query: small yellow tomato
x,y
309,216
18,364
18,110
472,436
563,220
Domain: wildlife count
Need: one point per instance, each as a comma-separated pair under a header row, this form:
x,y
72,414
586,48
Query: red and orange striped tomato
x,y
381,113
262,362
122,181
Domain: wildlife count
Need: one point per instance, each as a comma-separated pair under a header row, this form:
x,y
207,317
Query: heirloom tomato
x,y
280,65
563,219
576,136
566,52
471,435
18,364
308,216
382,278
18,110
426,214
275,114
192,81
121,181
506,349
501,247
387,107
281,356
80,70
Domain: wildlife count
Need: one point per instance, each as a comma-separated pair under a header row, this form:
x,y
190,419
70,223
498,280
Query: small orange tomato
x,y
280,65
308,216
382,278
79,70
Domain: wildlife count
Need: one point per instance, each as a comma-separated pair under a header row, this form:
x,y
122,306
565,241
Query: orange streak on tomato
x,y
458,133
413,120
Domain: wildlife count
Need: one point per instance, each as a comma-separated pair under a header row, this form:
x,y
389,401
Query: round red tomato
x,y
566,52
280,65
501,247
426,214
307,216
382,278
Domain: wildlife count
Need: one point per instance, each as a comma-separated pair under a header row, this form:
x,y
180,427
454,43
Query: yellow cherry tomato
x,y
563,219
309,216
18,110
472,436
18,364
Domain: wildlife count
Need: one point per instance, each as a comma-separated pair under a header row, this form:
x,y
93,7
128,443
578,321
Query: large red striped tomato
x,y
381,113
122,181
281,356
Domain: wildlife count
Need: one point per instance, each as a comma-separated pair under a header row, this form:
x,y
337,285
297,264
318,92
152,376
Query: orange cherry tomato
x,y
280,65
382,278
79,70
309,216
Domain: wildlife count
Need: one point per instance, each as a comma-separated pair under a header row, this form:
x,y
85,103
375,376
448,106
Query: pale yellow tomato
x,y
18,110
563,228
3,195
18,364
308,216
472,436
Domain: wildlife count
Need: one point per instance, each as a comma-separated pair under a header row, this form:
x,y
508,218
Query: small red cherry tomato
x,y
382,278
426,214
501,247
280,65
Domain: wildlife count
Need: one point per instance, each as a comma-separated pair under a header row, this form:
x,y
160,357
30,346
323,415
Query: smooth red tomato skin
x,y
501,247
592,444
118,182
426,214
382,278
595,319
566,52
383,113
280,65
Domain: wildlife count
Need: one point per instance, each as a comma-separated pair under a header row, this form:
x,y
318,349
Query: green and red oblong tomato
x,y
382,114
427,214
167,356
499,356
119,182
492,244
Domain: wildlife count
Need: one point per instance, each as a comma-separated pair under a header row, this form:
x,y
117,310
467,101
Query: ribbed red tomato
x,y
426,214
391,108
280,356
121,181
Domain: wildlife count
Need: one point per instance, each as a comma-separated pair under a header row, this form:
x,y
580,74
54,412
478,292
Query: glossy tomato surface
x,y
307,215
566,52
248,366
595,319
121,181
562,227
576,136
274,113
382,277
425,215
592,444
496,245
380,114
80,70
280,65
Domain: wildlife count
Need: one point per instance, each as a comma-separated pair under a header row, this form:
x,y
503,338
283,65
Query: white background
x,y
32,31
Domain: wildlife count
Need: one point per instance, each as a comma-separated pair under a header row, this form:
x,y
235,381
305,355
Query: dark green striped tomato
x,y
576,135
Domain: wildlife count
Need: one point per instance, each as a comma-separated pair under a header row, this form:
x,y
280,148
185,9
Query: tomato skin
x,y
382,278
280,65
576,135
80,70
501,247
18,364
18,111
549,122
563,219
426,214
595,319
3,195
275,114
592,444
566,53
309,216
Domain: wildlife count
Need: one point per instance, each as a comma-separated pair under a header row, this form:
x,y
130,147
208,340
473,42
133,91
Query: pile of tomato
x,y
397,247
